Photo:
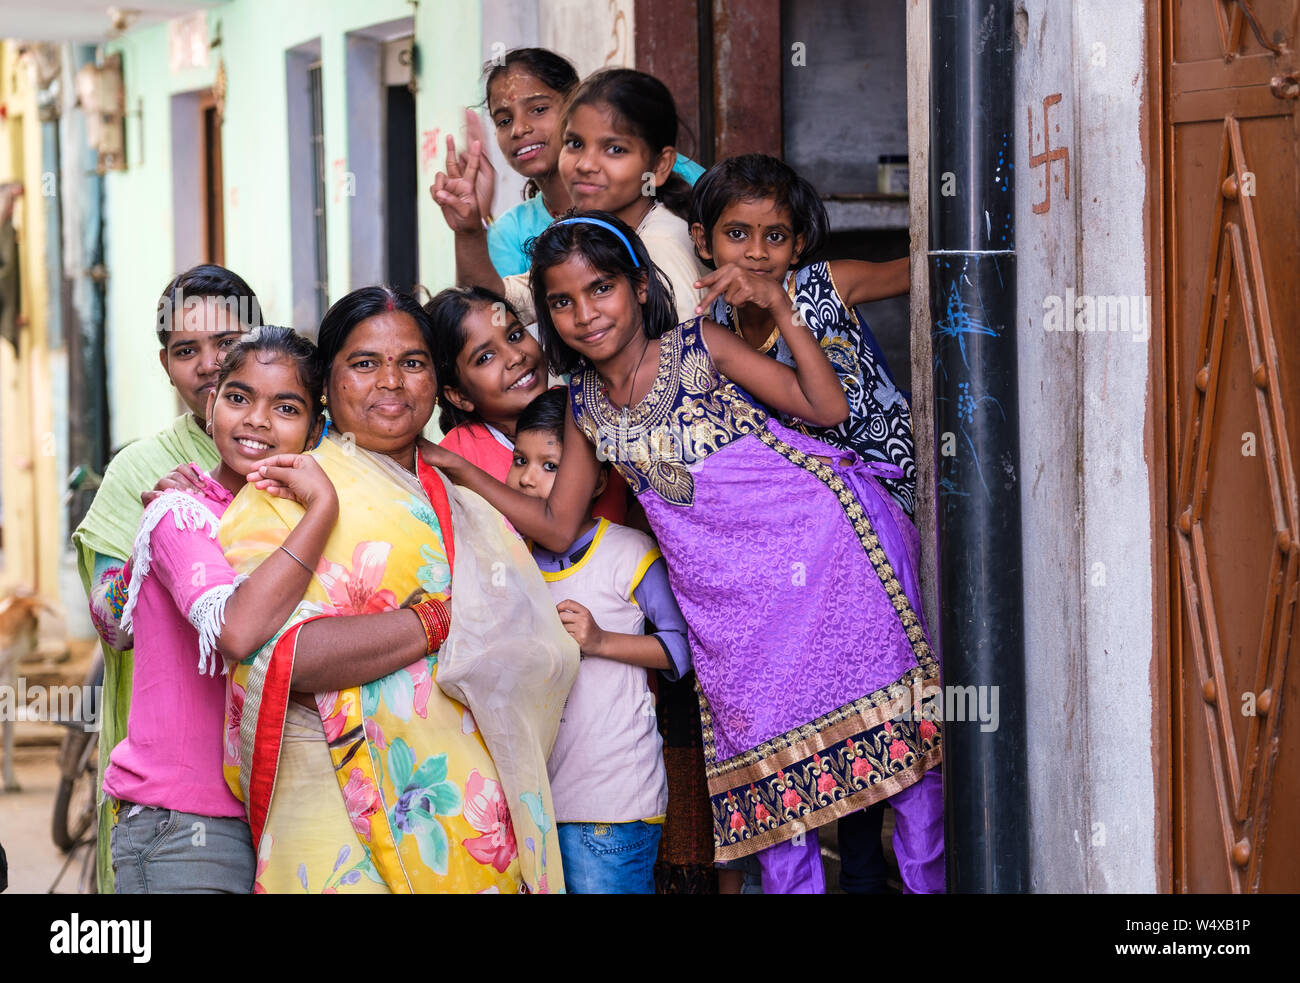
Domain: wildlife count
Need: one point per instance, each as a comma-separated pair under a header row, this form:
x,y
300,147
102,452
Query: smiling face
x,y
381,385
261,409
757,235
193,353
594,313
526,114
604,167
500,368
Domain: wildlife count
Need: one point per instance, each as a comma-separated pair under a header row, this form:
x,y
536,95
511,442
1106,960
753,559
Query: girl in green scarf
x,y
201,313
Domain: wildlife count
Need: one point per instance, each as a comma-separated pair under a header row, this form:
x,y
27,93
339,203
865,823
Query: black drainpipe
x,y
977,431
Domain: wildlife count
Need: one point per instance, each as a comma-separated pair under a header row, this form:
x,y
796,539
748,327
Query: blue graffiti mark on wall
x,y
968,404
947,488
958,322
979,467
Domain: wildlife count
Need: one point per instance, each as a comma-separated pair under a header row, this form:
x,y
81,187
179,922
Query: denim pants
x,y
609,858
164,851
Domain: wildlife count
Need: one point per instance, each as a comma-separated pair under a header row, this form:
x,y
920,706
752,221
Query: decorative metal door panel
x,y
1232,206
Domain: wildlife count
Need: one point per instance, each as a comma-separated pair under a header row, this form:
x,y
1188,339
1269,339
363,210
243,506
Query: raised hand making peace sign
x,y
454,191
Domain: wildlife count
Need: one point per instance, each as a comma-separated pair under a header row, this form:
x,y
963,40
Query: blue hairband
x,y
604,225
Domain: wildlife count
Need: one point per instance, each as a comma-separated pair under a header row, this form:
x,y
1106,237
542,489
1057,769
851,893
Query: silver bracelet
x,y
300,563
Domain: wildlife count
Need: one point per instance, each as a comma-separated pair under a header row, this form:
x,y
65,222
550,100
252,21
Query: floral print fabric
x,y
408,799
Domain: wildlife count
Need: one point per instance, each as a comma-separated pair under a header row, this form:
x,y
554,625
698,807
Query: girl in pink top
x,y
179,828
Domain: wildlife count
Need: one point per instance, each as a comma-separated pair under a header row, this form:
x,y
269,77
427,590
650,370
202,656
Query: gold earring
x,y
323,401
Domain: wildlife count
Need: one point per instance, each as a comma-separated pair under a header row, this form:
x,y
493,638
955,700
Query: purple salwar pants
x,y
795,866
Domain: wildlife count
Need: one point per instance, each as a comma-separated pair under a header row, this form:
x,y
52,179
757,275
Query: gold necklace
x,y
624,412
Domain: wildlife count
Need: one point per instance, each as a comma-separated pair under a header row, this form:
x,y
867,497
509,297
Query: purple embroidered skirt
x,y
798,582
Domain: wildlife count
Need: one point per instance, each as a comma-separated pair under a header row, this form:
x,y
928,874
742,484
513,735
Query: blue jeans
x,y
163,851
609,858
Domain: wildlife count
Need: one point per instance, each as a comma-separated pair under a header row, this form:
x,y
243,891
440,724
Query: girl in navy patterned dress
x,y
756,212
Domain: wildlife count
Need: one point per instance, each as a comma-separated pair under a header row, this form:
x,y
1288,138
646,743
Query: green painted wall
x,y
255,36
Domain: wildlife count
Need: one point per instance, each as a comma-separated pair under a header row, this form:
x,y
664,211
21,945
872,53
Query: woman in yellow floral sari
x,y
366,764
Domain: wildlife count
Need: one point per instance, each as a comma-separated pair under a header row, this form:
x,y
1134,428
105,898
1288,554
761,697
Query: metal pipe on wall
x,y
972,266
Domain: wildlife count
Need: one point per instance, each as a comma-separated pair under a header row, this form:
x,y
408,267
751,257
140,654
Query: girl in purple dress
x,y
787,559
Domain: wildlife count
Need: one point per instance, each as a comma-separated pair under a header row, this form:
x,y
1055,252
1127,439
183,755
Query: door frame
x,y
917,62
212,172
1165,707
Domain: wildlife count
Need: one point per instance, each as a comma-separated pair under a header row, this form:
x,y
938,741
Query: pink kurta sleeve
x,y
177,545
189,564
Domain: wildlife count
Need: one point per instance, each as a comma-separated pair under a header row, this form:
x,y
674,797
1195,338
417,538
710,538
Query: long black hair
x,y
553,70
350,310
606,253
749,177
206,281
447,310
642,106
278,342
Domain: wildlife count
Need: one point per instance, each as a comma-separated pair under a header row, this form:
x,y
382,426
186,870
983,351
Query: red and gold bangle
x,y
443,613
435,618
426,622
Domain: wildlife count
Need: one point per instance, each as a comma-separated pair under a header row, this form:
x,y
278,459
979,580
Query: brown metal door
x,y
1232,207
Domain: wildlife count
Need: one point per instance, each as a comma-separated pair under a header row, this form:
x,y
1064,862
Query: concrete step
x,y
38,733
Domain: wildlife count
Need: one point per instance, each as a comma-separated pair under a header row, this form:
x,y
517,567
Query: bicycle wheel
x,y
74,802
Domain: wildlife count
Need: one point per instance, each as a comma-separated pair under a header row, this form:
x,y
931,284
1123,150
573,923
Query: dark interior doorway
x,y
214,225
400,189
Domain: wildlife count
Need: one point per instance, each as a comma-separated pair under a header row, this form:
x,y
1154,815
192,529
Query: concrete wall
x,y
844,99
259,235
1086,491
591,35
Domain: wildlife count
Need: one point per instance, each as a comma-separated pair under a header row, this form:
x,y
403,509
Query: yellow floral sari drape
x,y
409,798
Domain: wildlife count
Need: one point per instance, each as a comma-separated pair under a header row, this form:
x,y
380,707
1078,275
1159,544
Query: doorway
x,y
866,97
198,215
380,186
400,180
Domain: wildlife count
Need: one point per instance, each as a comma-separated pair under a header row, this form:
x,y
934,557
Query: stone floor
x,y
25,817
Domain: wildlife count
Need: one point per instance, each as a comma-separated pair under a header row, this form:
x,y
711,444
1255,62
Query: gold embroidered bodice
x,y
690,413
